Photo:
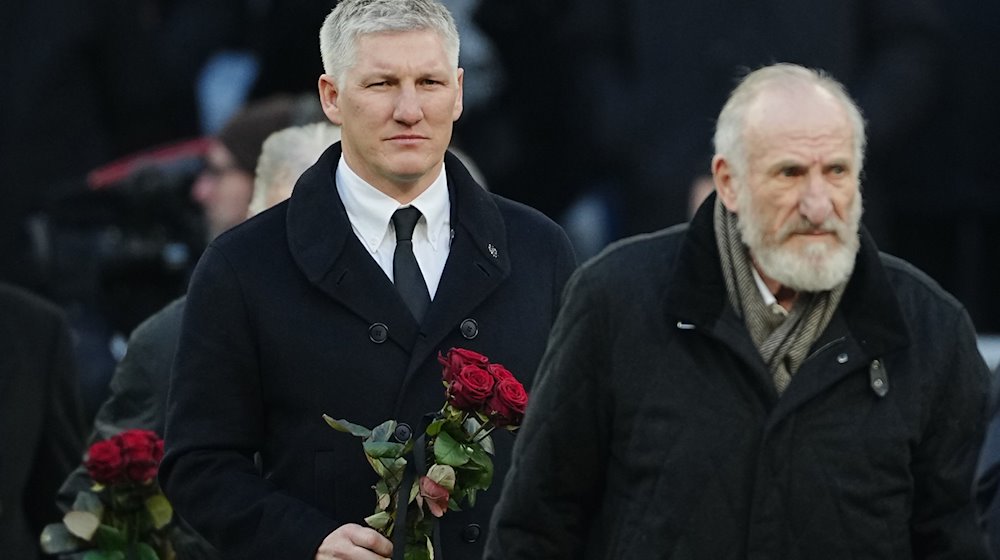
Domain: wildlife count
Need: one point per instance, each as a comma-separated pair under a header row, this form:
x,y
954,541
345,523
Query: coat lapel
x,y
868,324
325,248
478,262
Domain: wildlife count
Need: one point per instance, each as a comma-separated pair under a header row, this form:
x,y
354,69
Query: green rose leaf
x,y
419,552
481,458
145,552
90,502
447,451
104,555
383,498
110,538
414,492
379,520
56,539
349,427
443,475
473,480
470,497
434,427
383,431
83,524
383,449
160,510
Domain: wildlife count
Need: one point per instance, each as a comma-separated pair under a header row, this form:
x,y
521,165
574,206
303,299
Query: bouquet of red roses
x,y
124,514
479,397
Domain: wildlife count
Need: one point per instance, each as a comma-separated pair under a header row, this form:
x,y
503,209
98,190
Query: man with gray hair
x,y
284,156
313,308
759,383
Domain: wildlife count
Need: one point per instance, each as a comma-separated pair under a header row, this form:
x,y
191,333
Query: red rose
x,y
499,372
142,451
470,388
458,358
507,404
105,462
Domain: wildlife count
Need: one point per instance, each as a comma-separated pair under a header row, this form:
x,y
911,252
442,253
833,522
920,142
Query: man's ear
x,y
329,98
459,102
722,175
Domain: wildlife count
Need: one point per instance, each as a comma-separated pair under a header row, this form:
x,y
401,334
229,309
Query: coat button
x,y
469,329
402,432
378,333
471,532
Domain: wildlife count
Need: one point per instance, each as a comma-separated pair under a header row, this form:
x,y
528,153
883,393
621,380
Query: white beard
x,y
816,267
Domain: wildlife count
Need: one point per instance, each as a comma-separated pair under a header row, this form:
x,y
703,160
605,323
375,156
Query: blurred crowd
x,y
598,113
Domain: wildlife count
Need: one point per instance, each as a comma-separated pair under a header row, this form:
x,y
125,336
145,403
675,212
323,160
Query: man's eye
x,y
377,84
838,169
791,171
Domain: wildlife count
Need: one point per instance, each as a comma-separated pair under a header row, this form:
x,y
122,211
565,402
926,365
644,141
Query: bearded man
x,y
760,383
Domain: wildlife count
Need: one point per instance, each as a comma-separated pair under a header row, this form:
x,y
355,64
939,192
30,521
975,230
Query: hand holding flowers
x,y
480,397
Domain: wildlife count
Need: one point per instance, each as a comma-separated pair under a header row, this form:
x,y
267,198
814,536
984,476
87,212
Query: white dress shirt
x,y
769,300
370,211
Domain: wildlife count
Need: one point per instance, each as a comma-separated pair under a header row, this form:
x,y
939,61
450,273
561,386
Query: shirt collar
x,y
769,300
370,210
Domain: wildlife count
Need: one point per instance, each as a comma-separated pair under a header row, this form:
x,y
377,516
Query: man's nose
x,y
408,110
815,204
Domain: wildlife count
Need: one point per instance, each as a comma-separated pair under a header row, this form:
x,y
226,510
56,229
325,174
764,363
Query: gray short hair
x,y
731,125
351,19
286,154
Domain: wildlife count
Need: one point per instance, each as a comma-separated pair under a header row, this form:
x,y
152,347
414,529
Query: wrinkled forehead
x,y
797,108
421,48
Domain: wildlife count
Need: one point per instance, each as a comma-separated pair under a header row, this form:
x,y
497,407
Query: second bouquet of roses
x,y
455,448
123,514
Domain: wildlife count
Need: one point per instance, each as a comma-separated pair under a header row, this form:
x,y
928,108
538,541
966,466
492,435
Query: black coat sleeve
x,y
215,425
944,461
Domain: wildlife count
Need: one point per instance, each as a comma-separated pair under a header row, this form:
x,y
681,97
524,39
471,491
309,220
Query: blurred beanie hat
x,y
244,133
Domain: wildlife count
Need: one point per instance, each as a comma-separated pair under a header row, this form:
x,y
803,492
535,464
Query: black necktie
x,y
405,270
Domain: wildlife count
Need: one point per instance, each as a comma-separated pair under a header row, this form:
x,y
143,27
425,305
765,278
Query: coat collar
x,y
325,248
869,308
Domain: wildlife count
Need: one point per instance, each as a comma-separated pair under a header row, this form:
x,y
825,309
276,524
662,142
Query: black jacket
x,y
288,318
41,418
655,431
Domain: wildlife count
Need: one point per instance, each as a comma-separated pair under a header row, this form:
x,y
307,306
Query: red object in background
x,y
120,169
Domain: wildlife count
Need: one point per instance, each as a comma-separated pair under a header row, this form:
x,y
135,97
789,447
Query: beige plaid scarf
x,y
783,341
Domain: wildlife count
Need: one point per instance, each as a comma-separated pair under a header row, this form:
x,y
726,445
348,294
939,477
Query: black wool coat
x,y
41,418
288,318
655,431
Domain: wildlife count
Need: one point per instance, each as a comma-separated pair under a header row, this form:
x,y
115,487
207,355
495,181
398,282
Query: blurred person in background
x,y
226,185
41,419
284,156
86,82
140,382
125,248
624,95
